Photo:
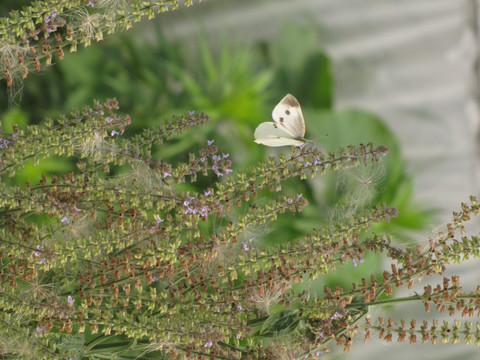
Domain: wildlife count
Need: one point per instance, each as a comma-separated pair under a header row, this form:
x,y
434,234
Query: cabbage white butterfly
x,y
288,128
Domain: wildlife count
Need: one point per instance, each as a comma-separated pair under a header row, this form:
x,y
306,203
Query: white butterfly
x,y
288,128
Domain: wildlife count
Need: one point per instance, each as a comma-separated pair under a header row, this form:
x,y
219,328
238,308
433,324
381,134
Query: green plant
x,y
131,254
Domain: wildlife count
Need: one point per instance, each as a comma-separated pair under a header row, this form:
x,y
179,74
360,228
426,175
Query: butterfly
x,y
288,128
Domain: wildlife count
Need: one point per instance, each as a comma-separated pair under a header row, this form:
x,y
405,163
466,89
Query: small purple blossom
x,y
290,200
203,159
46,19
239,307
215,168
207,193
108,119
42,261
70,299
90,3
159,220
354,262
191,112
320,334
210,142
14,135
335,316
154,278
208,344
308,163
65,219
40,329
299,196
39,247
318,352
224,156
228,171
218,173
238,336
166,174
245,246
76,209
114,132
216,157
4,143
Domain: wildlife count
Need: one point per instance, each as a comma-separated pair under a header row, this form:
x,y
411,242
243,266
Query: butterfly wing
x,y
288,115
271,134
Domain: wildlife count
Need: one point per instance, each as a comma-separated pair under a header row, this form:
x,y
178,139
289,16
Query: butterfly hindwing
x,y
271,134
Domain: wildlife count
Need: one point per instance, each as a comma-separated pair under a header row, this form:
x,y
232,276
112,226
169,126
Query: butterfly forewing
x,y
288,115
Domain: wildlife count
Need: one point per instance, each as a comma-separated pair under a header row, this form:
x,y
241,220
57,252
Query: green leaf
x,y
281,323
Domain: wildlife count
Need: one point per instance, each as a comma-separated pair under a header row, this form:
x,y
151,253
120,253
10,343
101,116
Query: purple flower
x,y
14,135
4,143
215,168
42,261
191,112
154,278
65,219
203,158
216,157
354,262
225,155
90,3
245,246
46,19
299,196
308,163
114,133
336,315
238,336
239,307
70,299
227,171
39,247
318,352
159,220
108,119
76,209
218,173
210,142
290,200
207,192
320,334
166,174
208,344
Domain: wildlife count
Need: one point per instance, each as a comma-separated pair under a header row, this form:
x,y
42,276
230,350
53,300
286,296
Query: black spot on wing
x,y
275,126
281,119
287,112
